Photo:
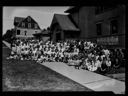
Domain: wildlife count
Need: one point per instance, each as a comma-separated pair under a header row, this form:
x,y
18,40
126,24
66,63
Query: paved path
x,y
88,79
119,76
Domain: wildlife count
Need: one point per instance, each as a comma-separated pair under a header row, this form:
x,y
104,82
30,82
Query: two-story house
x,y
25,27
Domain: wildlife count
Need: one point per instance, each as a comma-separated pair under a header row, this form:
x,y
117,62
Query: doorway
x,y
58,37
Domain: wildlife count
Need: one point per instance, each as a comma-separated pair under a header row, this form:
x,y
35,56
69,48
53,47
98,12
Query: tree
x,y
44,29
48,28
8,35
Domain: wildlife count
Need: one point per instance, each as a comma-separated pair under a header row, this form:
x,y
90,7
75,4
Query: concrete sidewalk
x,y
88,79
119,76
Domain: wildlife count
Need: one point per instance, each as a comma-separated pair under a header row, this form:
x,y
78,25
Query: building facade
x,y
25,27
63,28
104,25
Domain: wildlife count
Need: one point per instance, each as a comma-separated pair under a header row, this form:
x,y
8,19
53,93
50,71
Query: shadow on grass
x,y
30,76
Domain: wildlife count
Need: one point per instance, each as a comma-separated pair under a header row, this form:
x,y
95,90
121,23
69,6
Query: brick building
x,y
101,24
63,28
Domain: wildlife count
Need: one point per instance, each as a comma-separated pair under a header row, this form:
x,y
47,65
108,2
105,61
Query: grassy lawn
x,y
31,76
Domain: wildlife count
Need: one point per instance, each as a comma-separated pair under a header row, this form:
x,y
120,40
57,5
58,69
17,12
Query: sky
x,y
42,15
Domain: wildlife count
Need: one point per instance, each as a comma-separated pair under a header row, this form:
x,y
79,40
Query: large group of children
x,y
79,53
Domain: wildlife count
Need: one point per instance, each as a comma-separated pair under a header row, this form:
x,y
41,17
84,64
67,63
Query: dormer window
x,y
29,25
23,24
36,26
29,19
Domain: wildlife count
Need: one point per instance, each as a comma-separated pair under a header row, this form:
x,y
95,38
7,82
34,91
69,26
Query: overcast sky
x,y
43,15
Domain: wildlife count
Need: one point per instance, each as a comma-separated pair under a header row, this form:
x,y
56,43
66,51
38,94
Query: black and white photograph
x,y
64,48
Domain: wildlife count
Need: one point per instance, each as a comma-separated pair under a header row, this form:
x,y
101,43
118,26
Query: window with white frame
x,y
29,25
25,33
18,32
36,26
29,19
23,24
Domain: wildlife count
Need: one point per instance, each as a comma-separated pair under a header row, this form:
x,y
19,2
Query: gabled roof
x,y
19,20
32,20
26,19
64,22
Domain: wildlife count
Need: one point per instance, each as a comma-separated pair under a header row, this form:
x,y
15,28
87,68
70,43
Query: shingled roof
x,y
17,20
65,23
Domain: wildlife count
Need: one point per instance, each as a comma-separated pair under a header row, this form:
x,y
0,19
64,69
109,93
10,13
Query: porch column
x,y
62,35
54,36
